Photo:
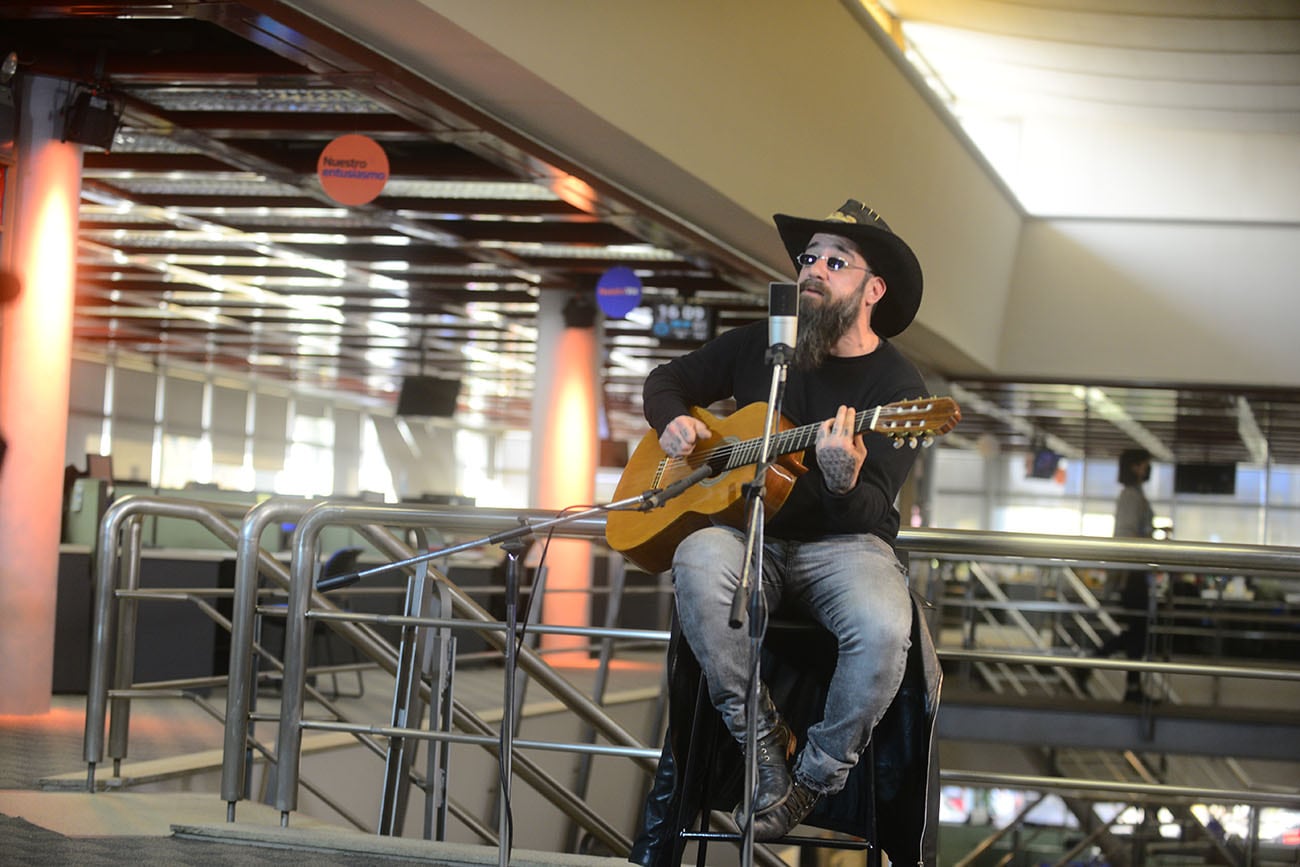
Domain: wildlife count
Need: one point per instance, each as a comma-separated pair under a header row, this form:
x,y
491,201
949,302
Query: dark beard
x,y
822,324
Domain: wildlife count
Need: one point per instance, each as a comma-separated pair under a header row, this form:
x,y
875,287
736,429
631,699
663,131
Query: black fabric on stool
x,y
891,795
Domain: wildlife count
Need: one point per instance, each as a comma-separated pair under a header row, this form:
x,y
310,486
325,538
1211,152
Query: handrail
x,y
126,515
122,520
301,590
1124,789
1200,669
1018,618
248,559
1101,552
530,661
116,516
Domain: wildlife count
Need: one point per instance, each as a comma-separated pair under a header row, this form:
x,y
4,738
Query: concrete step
x,y
138,773
359,844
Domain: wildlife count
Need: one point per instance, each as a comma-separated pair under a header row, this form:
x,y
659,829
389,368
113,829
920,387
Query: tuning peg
x,y
927,441
898,442
911,442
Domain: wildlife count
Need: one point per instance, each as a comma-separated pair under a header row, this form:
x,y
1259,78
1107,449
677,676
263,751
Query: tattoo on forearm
x,y
839,469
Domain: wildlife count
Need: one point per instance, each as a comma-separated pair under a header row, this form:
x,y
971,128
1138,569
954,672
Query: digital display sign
x,y
691,323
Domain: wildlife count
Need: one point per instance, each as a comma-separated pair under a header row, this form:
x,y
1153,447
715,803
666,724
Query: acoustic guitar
x,y
649,538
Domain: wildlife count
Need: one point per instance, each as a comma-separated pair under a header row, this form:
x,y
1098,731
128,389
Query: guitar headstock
x,y
919,421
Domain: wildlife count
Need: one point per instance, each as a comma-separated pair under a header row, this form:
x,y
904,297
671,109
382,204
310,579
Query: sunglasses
x,y
833,263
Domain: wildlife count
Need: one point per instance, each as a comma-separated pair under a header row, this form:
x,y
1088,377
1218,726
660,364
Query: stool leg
x,y
873,853
701,738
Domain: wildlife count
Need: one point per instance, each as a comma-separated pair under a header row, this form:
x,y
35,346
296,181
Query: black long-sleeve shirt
x,y
734,365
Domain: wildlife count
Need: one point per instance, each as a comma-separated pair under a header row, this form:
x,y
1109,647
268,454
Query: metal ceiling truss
x,y
206,238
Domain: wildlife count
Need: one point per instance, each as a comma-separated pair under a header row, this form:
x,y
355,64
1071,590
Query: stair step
x,y
136,773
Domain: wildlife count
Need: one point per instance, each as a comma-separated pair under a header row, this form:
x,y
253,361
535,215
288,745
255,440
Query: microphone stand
x,y
513,547
511,542
749,592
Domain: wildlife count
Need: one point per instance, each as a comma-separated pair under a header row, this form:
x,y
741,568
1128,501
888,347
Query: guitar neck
x,y
796,439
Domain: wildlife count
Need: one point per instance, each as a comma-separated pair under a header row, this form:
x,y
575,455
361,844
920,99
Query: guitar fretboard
x,y
909,420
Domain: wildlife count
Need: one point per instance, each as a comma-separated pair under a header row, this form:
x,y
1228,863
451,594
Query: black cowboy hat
x,y
886,253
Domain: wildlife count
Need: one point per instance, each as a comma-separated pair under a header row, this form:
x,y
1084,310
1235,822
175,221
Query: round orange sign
x,y
353,169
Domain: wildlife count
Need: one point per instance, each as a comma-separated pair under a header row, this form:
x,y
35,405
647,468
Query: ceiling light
x,y
1251,435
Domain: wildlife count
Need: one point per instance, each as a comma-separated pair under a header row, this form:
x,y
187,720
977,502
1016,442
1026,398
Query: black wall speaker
x,y
91,119
1205,478
428,395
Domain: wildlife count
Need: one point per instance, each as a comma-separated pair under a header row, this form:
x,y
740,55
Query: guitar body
x,y
649,538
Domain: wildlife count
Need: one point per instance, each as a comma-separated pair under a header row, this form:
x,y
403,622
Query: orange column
x,y
564,450
35,360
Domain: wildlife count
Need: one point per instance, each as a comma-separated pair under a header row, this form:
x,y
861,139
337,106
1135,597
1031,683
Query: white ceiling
x,y
1151,109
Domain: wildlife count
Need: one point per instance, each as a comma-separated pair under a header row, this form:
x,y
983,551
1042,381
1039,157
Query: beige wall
x,y
725,112
1156,302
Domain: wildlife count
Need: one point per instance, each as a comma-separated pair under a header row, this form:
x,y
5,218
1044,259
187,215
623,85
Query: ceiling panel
x,y
205,237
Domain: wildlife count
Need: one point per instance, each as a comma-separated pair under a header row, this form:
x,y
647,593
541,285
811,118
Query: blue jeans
x,y
853,585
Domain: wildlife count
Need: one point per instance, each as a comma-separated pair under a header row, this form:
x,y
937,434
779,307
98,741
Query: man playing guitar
x,y
829,551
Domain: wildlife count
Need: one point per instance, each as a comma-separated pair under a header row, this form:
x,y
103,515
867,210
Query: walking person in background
x,y
1133,519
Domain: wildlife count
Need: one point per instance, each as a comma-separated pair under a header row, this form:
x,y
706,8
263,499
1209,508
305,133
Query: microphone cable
x,y
522,629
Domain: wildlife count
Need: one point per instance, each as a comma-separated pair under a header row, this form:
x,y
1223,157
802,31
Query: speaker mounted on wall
x,y
91,118
428,396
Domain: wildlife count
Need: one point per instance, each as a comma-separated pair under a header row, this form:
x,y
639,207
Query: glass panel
x,y
229,410
1284,486
308,471
228,448
185,459
134,394
84,432
373,473
270,428
182,405
132,451
86,389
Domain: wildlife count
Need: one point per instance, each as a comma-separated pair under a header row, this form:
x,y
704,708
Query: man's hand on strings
x,y
681,435
840,451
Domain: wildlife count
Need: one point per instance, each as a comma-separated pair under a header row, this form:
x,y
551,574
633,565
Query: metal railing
x,y
117,589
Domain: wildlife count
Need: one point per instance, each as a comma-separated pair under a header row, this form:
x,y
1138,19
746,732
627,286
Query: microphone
x,y
334,582
783,314
658,498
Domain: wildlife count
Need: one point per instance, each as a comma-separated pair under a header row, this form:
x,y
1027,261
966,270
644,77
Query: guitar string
x,y
786,439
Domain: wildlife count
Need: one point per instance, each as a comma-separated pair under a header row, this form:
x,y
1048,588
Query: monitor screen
x,y
428,395
690,323
1205,478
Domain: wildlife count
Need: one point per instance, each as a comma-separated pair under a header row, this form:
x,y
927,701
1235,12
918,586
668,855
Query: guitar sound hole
x,y
720,458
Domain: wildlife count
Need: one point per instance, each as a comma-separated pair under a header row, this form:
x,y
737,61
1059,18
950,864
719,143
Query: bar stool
x,y
890,800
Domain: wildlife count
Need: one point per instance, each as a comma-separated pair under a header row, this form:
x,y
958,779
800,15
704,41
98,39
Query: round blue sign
x,y
618,292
